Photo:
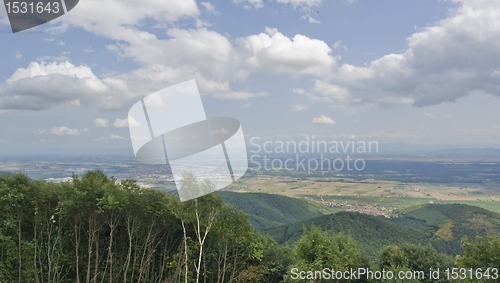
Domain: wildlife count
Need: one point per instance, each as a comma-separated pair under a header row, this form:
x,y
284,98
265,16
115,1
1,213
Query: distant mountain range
x,y
442,150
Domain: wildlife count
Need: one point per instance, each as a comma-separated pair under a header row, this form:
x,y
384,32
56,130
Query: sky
x,y
391,71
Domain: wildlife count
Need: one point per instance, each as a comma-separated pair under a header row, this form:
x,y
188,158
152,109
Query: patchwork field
x,y
385,195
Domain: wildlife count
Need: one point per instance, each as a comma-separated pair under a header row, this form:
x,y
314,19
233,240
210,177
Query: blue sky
x,y
421,72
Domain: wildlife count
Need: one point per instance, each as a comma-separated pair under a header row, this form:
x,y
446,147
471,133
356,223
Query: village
x,y
364,208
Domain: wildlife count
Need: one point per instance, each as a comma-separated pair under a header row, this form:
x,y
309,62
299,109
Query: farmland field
x,y
391,195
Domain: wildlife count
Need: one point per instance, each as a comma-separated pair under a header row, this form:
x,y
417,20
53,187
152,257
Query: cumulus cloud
x,y
303,3
452,58
202,54
101,123
61,131
298,90
206,51
122,23
329,92
274,52
307,16
214,61
121,123
339,44
18,55
294,3
323,120
209,7
205,55
43,85
52,59
108,139
238,95
251,3
300,107
306,7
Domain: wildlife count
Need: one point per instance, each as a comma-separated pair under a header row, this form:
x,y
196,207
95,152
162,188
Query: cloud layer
x,y
453,58
45,85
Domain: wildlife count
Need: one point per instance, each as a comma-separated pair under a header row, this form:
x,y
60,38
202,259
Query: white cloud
x,y
298,91
238,95
454,57
307,16
101,123
274,52
221,131
204,55
49,39
44,85
121,123
325,91
122,23
303,3
339,44
247,105
206,51
61,131
18,55
132,122
300,107
253,3
88,50
306,7
323,120
53,58
209,7
61,43
108,139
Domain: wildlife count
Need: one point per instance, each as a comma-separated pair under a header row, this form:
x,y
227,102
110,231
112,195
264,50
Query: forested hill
x,y
443,226
266,210
371,232
450,223
95,229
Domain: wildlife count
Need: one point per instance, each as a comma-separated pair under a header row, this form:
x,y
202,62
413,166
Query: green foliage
x,y
484,254
8,259
95,229
412,257
317,250
369,231
455,221
372,233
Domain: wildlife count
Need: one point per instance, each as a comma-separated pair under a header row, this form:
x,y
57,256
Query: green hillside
x,y
449,223
266,210
371,232
443,226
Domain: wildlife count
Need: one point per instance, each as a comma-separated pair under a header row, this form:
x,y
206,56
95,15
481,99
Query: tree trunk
x,y
20,263
185,250
77,248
